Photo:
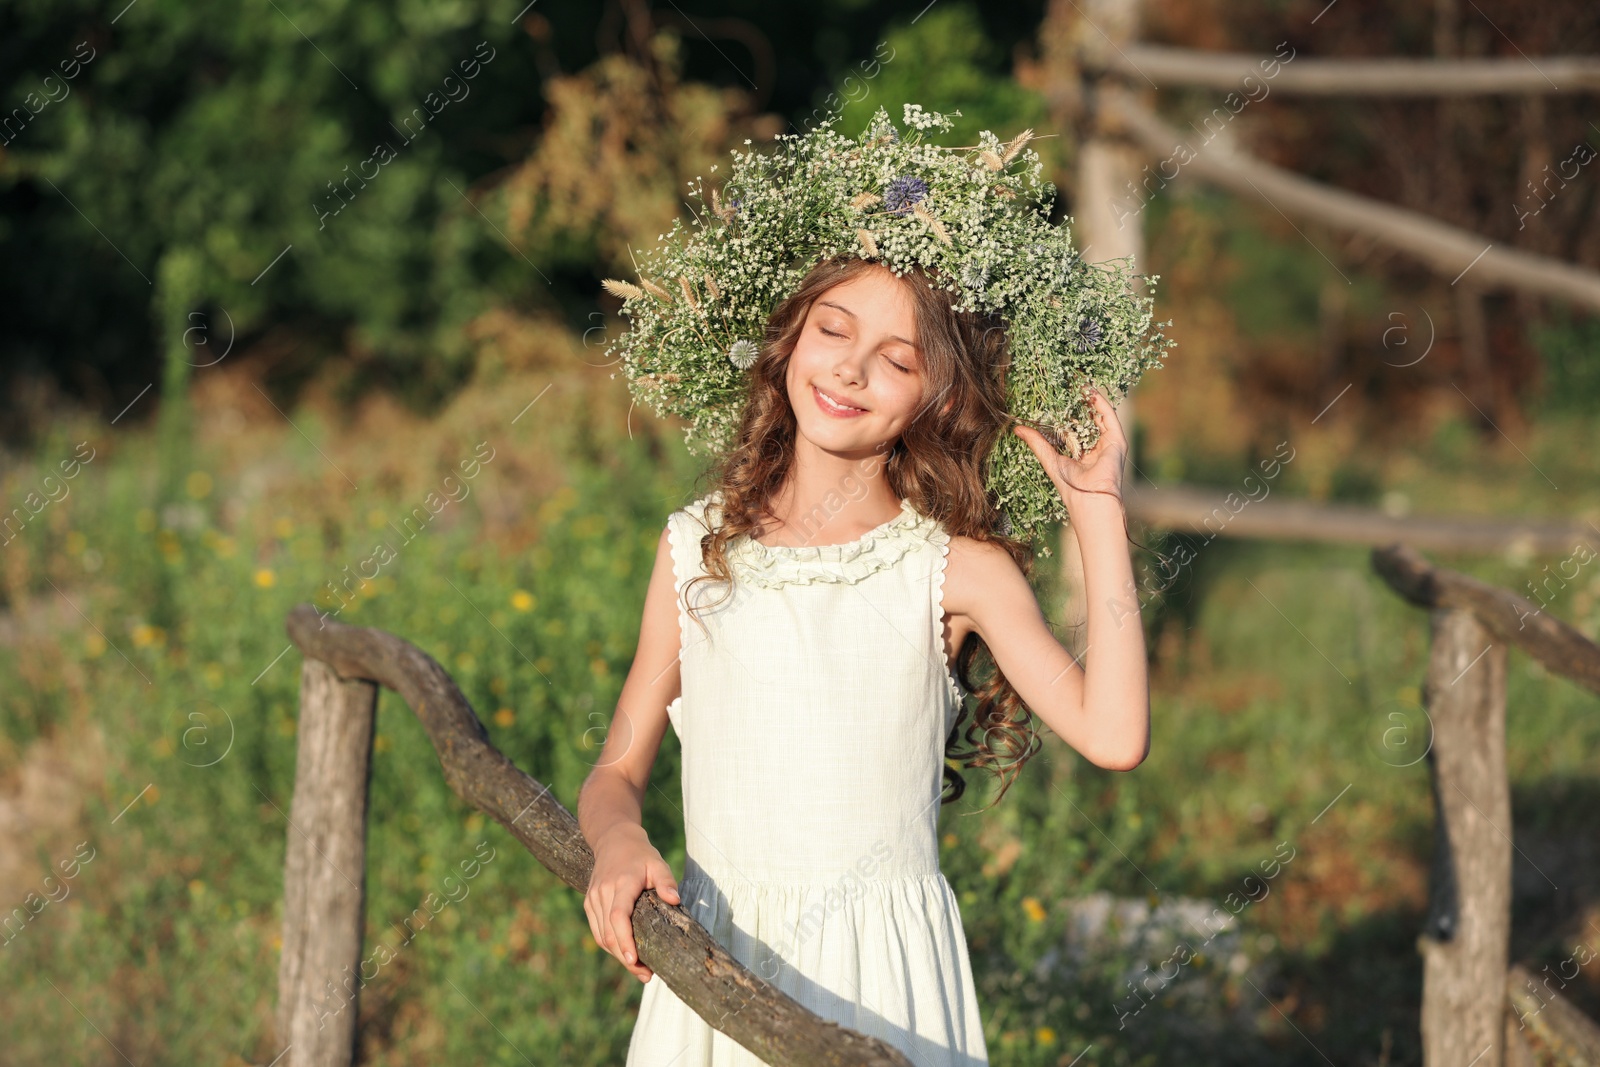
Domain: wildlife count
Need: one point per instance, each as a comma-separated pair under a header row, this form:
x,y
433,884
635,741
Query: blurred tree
x,y
944,60
210,169
621,139
180,181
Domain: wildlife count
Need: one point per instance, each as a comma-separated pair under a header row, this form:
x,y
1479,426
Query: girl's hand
x,y
1099,471
625,865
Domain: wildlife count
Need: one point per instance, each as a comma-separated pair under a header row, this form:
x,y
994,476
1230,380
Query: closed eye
x,y
892,363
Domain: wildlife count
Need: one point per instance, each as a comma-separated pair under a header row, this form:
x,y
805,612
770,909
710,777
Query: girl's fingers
x,y
1034,440
603,905
624,932
611,933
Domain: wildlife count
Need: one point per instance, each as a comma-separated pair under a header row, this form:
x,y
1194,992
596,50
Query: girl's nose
x,y
850,369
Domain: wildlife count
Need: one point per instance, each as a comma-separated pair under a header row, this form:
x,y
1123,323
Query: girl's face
x,y
855,377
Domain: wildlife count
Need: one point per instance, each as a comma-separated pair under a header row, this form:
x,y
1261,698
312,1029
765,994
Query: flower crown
x,y
963,214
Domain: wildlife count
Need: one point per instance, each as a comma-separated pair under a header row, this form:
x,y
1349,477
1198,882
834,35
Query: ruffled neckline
x,y
849,562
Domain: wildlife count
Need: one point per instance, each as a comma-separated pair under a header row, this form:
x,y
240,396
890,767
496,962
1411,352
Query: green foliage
x,y
1571,371
945,60
1259,726
1275,290
201,141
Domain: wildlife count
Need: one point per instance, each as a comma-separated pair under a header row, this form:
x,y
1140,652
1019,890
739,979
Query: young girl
x,y
809,630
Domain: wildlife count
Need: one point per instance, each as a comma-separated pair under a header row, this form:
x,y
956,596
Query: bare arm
x,y
611,797
1103,709
625,863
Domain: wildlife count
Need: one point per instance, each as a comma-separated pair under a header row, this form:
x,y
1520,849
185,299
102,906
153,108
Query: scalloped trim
x,y
771,566
681,573
941,537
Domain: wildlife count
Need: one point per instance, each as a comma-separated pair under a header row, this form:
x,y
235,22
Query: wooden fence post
x,y
320,971
1466,942
324,879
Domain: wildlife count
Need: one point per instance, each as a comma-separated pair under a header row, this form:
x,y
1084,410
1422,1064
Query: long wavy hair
x,y
936,464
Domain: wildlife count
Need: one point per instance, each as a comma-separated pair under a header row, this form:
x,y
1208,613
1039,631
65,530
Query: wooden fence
x,y
324,869
1475,1007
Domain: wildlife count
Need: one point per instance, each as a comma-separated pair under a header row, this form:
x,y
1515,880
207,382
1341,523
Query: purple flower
x,y
903,192
1089,334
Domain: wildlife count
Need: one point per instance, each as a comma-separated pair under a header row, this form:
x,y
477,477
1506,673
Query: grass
x,y
144,658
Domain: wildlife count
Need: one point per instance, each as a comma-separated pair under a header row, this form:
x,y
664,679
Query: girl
x,y
817,697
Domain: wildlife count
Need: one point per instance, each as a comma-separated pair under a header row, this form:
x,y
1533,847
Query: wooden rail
x,y
1474,1009
324,880
1200,510
1345,77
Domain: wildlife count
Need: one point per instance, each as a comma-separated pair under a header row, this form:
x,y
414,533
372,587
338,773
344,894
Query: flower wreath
x,y
977,225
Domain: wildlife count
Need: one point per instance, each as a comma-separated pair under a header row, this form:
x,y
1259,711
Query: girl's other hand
x,y
1099,470
625,865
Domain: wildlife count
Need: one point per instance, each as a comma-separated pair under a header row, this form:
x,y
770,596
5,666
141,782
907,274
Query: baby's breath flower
x,y
978,230
918,119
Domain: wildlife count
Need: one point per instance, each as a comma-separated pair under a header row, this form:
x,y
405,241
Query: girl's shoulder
x,y
974,569
974,553
702,512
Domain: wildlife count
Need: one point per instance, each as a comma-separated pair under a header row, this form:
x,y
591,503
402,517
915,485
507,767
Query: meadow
x,y
151,702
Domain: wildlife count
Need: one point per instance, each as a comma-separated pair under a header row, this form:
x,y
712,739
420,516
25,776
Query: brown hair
x,y
936,464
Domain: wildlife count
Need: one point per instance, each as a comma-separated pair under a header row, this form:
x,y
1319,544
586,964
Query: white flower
x,y
918,119
780,211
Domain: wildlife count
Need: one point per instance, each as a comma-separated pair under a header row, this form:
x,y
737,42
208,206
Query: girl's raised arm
x,y
1103,710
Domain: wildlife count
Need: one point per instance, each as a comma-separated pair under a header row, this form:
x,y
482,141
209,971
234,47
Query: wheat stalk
x,y
1016,145
990,160
655,290
688,293
868,243
711,287
623,289
934,224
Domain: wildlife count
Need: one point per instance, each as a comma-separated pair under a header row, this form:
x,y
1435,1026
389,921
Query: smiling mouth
x,y
835,407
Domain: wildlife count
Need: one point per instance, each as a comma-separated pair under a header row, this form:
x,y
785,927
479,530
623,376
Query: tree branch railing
x,y
1205,510
1477,1007
324,880
1379,76
1448,249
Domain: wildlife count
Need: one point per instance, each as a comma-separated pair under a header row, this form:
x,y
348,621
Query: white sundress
x,y
813,722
